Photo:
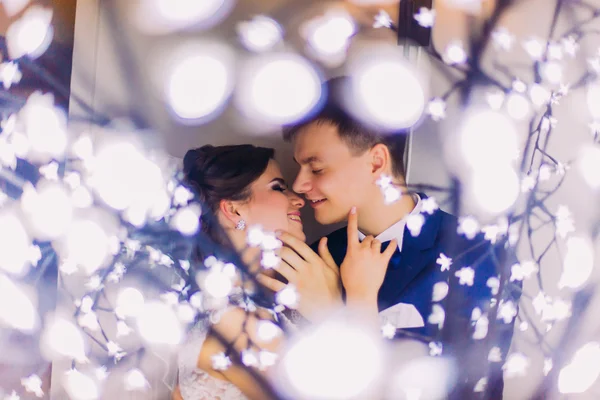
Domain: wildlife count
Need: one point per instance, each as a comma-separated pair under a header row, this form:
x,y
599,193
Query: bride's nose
x,y
295,200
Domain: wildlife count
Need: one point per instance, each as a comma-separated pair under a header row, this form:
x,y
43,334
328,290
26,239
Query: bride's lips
x,y
295,216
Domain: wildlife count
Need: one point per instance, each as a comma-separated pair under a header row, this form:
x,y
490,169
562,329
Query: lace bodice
x,y
196,384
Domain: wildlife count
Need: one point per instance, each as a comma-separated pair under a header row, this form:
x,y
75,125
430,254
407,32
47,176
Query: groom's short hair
x,y
358,136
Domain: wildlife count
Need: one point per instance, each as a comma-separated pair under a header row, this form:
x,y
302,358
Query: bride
x,y
242,186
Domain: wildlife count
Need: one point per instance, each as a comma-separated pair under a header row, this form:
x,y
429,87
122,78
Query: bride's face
x,y
274,206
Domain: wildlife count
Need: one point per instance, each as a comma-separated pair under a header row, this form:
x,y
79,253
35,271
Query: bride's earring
x,y
241,225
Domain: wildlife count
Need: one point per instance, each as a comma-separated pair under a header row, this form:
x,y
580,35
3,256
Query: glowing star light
x,y
465,276
220,362
382,20
425,17
33,384
455,53
444,262
437,109
388,331
10,74
503,39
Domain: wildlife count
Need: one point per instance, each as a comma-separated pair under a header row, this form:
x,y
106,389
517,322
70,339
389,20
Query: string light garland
x,y
113,217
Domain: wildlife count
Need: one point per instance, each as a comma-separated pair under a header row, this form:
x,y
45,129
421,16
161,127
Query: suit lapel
x,y
417,253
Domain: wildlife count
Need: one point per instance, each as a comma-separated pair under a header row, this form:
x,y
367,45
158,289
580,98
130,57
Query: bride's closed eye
x,y
280,188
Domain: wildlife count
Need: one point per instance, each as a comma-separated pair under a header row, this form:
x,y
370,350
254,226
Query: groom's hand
x,y
364,265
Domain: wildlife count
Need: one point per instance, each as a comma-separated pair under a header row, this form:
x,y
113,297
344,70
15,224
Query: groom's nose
x,y
302,183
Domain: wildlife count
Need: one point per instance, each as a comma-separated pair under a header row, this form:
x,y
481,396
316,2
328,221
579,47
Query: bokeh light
x,y
589,165
583,370
130,302
163,16
387,90
278,88
488,138
31,34
494,189
340,374
22,312
578,263
14,242
80,386
158,324
260,34
199,84
36,203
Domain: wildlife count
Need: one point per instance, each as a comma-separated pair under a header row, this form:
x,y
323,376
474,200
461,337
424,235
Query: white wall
x,y
100,80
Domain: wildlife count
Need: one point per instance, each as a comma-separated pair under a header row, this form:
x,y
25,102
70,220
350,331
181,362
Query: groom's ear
x,y
380,159
230,210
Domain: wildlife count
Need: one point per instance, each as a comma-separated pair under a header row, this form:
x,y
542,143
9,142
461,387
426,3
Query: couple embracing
x,y
376,263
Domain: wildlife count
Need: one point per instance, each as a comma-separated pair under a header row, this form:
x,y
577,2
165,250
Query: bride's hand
x,y
364,266
315,277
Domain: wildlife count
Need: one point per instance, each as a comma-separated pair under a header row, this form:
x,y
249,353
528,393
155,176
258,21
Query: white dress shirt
x,y
396,231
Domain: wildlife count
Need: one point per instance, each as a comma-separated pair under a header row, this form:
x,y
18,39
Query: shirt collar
x,y
396,231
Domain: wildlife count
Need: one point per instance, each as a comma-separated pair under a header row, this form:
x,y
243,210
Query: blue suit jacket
x,y
411,275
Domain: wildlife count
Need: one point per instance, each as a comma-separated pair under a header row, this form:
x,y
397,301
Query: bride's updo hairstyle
x,y
223,173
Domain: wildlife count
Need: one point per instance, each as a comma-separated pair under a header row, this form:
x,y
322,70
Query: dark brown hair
x,y
223,173
358,136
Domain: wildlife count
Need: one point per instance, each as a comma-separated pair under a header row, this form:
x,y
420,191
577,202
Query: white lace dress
x,y
196,384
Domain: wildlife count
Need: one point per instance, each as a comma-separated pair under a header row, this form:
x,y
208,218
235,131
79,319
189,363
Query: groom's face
x,y
331,176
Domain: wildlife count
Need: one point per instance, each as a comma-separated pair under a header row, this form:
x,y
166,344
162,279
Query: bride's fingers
x,y
297,245
270,283
287,271
292,258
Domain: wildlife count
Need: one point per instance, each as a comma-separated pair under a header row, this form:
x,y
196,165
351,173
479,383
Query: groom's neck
x,y
375,217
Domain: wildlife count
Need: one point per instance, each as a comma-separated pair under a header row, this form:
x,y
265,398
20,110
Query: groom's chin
x,y
324,218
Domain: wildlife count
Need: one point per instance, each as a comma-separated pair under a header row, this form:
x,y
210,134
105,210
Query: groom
x,y
343,163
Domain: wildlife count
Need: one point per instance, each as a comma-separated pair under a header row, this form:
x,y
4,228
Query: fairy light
x,y
259,34
14,243
263,93
130,302
125,180
158,17
578,263
194,95
31,34
10,74
80,386
582,372
45,127
388,91
425,17
135,380
158,324
329,343
22,314
65,339
36,202
328,36
187,220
